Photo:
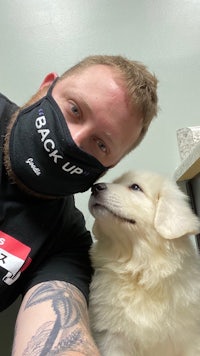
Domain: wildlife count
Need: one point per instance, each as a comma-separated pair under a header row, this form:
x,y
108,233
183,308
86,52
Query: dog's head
x,y
140,202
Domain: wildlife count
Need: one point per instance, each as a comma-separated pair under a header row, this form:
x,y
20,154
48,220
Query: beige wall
x,y
39,36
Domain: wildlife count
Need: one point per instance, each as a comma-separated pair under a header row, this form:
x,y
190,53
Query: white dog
x,y
145,293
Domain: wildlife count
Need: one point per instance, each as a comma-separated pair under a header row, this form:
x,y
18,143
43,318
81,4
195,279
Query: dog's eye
x,y
135,186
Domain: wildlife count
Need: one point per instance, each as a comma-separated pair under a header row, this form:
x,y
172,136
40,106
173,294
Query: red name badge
x,y
13,257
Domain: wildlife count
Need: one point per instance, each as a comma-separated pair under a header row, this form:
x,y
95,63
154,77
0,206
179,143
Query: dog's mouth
x,y
122,218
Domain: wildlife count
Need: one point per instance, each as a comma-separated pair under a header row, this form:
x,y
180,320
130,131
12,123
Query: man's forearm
x,y
53,320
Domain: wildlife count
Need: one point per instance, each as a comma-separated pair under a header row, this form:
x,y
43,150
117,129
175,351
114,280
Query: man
x,y
69,134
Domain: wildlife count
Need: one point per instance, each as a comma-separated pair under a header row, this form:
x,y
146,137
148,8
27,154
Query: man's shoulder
x,y
6,100
73,218
6,104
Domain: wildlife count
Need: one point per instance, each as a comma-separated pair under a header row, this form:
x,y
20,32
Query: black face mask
x,y
44,156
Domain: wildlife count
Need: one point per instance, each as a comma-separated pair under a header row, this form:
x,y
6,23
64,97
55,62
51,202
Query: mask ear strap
x,y
49,92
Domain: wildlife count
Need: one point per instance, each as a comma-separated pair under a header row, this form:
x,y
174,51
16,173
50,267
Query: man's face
x,y
97,113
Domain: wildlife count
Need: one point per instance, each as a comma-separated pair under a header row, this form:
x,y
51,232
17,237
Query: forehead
x,y
95,70
101,78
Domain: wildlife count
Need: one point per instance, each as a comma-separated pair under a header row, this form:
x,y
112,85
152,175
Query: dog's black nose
x,y
97,187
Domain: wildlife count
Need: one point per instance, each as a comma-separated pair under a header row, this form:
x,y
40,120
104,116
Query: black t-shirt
x,y
40,239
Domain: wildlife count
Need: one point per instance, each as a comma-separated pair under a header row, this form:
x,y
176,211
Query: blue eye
x,y
101,146
135,186
75,110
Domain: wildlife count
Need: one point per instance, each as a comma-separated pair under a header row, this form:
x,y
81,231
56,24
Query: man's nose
x,y
81,137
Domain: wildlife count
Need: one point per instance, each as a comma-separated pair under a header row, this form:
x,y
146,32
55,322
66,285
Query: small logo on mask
x,y
33,166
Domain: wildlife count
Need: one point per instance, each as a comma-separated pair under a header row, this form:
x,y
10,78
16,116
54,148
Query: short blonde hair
x,y
140,84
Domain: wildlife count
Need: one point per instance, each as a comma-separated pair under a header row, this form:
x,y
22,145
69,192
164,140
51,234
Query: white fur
x,y
145,293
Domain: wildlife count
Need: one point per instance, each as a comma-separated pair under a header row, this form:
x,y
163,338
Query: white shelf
x,y
190,166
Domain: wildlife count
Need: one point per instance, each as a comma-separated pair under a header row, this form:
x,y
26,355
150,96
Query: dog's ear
x,y
174,217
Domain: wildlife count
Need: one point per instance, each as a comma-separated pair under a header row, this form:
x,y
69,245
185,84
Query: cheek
x,y
128,141
143,209
136,131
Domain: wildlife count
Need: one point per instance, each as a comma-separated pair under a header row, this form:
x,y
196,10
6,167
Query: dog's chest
x,y
124,295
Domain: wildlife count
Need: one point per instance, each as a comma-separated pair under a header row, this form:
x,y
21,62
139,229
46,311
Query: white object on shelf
x,y
187,138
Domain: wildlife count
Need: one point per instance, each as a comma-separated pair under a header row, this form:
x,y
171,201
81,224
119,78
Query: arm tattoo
x,y
69,330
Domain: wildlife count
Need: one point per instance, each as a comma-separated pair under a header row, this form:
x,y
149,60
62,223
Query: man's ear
x,y
48,80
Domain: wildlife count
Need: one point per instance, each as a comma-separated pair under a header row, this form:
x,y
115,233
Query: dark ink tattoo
x,y
38,340
65,333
